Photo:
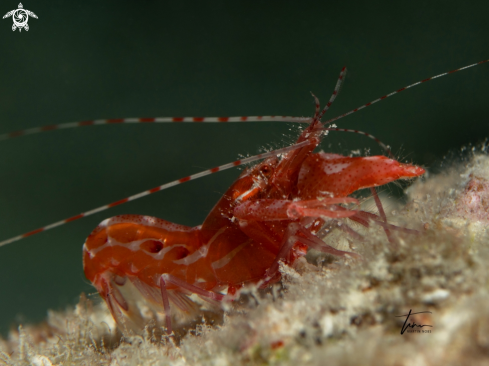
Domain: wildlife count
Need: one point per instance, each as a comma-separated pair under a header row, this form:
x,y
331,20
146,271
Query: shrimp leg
x,y
170,279
273,209
296,233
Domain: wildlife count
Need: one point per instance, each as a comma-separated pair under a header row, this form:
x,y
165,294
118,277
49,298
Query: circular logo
x,y
20,18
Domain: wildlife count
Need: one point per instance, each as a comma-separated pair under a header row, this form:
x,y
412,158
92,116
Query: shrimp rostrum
x,y
272,213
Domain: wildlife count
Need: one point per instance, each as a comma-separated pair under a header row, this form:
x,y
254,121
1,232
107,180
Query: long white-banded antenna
x,y
157,189
34,130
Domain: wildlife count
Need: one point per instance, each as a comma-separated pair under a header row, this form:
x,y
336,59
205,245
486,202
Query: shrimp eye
x,y
265,169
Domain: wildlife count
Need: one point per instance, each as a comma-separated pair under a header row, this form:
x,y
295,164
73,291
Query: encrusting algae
x,y
328,310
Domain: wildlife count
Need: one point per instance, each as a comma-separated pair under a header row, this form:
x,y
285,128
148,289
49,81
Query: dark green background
x,y
110,59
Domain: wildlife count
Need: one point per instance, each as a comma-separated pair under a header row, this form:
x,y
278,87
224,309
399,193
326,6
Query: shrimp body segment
x,y
271,213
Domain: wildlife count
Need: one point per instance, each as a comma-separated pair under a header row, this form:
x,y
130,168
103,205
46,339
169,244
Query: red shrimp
x,y
272,213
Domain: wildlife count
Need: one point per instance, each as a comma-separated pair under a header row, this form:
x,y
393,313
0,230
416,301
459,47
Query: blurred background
x,y
114,59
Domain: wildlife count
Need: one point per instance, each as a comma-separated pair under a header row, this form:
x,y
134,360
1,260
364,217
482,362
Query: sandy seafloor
x,y
327,311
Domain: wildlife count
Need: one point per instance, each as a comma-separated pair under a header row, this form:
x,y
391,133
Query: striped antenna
x,y
335,93
159,188
317,105
382,145
400,90
35,130
61,126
